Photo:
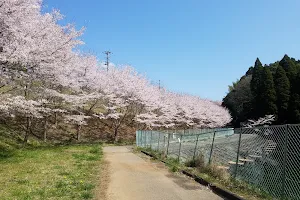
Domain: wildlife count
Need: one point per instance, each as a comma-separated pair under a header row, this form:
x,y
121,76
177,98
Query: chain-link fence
x,y
265,157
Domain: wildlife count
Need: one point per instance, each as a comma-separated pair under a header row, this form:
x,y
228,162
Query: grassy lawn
x,y
66,172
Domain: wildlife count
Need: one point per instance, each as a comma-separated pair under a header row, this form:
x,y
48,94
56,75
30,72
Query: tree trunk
x,y
78,132
55,118
28,126
45,129
26,91
116,134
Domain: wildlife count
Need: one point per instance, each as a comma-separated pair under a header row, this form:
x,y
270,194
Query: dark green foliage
x,y
257,89
233,86
282,86
238,100
268,94
256,78
273,67
273,89
294,104
250,71
289,65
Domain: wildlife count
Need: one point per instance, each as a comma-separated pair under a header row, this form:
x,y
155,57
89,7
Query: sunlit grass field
x,y
64,172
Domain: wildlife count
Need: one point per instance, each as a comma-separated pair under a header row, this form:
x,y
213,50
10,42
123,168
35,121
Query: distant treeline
x,y
263,90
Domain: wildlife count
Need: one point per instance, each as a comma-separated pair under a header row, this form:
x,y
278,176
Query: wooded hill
x,y
266,89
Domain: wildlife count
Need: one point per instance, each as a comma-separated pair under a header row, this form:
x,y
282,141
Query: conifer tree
x,y
256,89
268,95
282,87
289,66
294,104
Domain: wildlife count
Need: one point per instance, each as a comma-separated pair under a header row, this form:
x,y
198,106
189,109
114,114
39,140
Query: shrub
x,y
210,169
198,162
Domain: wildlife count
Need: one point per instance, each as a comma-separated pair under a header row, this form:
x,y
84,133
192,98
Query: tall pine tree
x,y
282,87
290,67
256,89
268,95
294,104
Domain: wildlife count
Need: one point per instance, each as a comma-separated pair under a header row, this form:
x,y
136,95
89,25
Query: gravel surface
x,y
135,177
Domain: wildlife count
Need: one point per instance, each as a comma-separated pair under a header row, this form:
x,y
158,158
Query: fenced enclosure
x,y
265,157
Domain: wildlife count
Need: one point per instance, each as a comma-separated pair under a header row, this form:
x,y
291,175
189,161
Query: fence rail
x,y
265,157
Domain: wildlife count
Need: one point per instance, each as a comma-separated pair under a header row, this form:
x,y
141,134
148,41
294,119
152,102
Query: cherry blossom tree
x,y
29,109
43,74
78,120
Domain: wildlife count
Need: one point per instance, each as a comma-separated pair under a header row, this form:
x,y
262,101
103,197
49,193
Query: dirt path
x,y
135,178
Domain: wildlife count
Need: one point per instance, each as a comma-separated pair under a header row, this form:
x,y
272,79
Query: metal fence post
x,y
284,161
212,148
145,137
195,147
151,140
139,138
142,144
179,148
168,143
238,154
158,141
164,141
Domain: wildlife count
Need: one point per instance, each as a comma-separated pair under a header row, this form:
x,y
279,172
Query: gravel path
x,y
136,178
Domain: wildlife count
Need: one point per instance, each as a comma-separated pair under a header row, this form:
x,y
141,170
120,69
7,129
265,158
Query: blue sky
x,y
192,46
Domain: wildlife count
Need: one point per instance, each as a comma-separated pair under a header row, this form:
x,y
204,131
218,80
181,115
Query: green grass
x,y
8,142
64,172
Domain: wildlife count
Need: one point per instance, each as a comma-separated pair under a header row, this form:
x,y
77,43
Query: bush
x,y
217,173
198,162
210,169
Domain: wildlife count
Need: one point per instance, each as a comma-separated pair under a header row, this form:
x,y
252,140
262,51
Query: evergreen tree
x,y
238,101
268,94
256,89
294,104
256,75
282,87
273,67
274,88
250,71
290,67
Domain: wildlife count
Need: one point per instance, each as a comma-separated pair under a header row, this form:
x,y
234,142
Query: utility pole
x,y
159,84
107,53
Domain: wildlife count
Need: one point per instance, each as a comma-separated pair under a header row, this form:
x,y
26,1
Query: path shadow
x,y
184,182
